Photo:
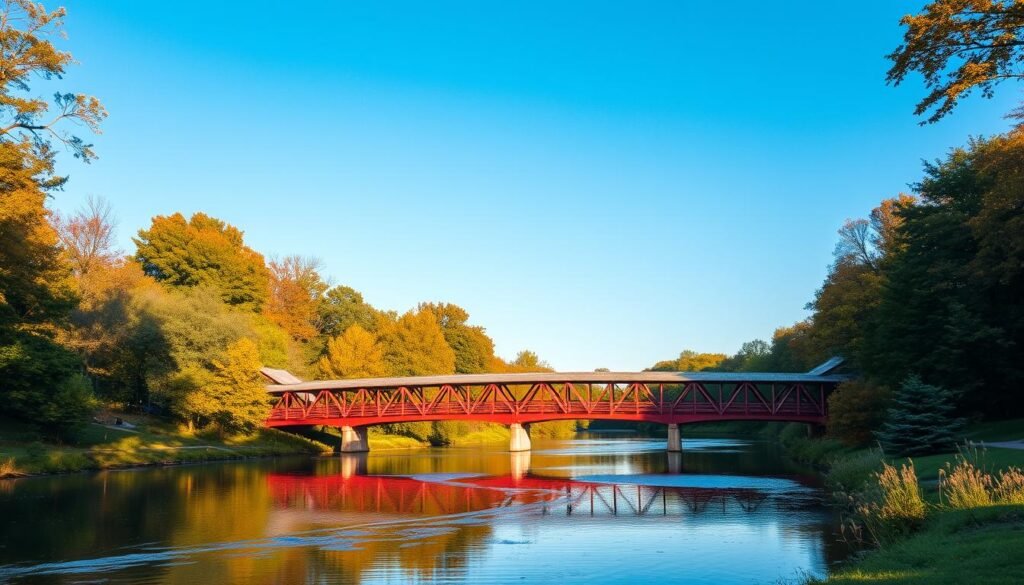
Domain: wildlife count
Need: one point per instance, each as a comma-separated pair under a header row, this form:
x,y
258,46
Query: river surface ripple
x,y
597,509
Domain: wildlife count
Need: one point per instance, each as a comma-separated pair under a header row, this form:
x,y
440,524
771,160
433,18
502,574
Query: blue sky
x,y
604,183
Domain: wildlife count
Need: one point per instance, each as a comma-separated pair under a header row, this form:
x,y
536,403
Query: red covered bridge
x,y
670,398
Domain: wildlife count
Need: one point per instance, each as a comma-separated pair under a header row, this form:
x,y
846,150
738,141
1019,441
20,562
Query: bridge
x,y
517,400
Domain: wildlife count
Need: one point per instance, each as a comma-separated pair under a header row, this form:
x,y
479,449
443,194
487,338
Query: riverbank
x,y
978,544
143,441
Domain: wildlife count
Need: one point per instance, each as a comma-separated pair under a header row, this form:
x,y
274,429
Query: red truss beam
x,y
499,402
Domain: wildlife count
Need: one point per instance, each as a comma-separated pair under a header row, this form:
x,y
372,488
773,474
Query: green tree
x,y
342,307
920,421
356,353
753,356
36,293
959,46
953,304
204,251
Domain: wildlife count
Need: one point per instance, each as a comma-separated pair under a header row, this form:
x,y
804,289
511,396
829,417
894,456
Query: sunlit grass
x,y
151,442
384,442
483,436
980,545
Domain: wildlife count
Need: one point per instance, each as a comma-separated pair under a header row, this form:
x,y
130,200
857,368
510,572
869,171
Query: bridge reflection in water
x,y
448,495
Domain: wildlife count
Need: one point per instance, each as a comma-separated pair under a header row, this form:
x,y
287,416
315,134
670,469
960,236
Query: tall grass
x,y
1010,487
965,484
893,506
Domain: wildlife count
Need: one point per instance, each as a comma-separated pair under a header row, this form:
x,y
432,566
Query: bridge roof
x,y
559,378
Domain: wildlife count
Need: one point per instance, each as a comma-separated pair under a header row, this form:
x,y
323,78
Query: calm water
x,y
597,509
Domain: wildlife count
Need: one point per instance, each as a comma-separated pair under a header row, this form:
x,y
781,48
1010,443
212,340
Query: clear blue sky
x,y
604,183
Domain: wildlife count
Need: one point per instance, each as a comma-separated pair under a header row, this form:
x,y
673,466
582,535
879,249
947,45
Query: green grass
x,y
1002,430
990,459
975,545
980,545
485,435
384,442
153,442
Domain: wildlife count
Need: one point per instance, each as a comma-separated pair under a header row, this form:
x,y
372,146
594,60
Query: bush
x,y
856,409
849,474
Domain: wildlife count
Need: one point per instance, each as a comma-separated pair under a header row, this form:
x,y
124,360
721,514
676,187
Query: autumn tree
x,y
845,307
204,251
356,353
296,293
87,236
528,361
959,46
474,350
414,345
36,294
857,408
690,361
237,390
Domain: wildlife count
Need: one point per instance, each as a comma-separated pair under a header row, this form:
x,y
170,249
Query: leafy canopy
x,y
356,353
959,46
204,251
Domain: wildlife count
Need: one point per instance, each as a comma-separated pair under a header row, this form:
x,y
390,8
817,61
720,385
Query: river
x,y
600,508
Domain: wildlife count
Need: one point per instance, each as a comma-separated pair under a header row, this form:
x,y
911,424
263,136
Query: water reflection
x,y
617,510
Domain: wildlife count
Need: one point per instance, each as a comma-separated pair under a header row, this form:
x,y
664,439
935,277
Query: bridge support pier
x,y
675,440
353,440
520,439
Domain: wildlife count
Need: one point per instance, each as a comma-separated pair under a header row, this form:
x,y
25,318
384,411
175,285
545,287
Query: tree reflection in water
x,y
444,515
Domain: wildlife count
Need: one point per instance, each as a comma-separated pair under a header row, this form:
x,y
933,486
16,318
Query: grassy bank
x,y
24,450
979,543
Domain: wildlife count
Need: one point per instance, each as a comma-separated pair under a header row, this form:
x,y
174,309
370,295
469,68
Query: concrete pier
x,y
520,439
675,440
353,440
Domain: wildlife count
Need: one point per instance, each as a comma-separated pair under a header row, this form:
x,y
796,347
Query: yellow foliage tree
x,y
414,345
356,353
236,389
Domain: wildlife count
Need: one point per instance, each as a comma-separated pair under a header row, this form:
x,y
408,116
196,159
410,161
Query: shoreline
x,y
974,540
